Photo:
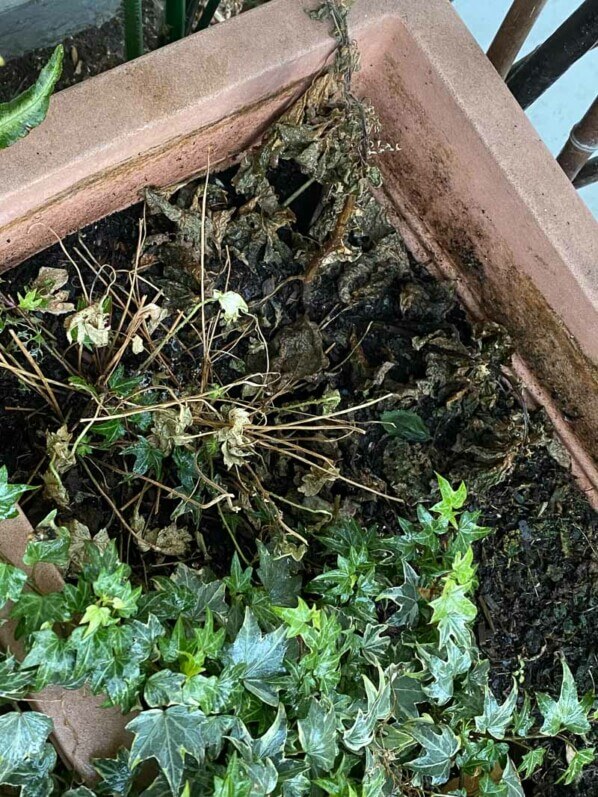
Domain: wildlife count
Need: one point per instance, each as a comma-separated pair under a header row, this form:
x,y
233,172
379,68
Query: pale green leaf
x,y
566,712
531,761
454,613
496,718
579,760
28,109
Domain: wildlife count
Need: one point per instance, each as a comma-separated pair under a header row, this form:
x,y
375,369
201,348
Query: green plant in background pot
x,y
180,17
28,109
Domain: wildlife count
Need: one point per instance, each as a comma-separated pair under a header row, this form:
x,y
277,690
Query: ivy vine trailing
x,y
354,672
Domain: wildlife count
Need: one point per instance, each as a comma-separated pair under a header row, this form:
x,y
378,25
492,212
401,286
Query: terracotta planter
x,y
472,188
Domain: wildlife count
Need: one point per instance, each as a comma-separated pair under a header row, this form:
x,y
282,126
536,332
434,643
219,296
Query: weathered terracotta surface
x,y
83,730
472,187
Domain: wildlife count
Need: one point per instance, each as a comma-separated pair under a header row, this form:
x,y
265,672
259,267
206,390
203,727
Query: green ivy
x,y
353,674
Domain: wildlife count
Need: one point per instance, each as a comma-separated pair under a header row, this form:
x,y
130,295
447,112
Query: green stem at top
x,y
176,15
133,28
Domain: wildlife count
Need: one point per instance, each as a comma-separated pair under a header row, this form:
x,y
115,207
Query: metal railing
x,y
529,77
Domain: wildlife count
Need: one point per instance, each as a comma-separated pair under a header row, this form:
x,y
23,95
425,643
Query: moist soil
x,y
339,310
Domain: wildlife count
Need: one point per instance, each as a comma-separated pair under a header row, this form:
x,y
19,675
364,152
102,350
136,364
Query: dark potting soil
x,y
347,314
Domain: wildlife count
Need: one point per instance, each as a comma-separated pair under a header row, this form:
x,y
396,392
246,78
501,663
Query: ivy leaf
x,y
83,386
122,384
112,429
33,610
34,775
453,612
12,581
299,619
164,688
406,596
271,744
10,493
531,761
275,573
214,694
451,500
317,734
148,458
508,786
468,531
440,745
116,776
444,671
53,661
407,693
361,734
262,655
14,683
580,759
524,719
28,109
567,712
23,737
51,543
204,594
496,718
405,424
168,735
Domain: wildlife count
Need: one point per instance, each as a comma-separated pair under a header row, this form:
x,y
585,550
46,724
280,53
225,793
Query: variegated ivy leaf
x,y
444,670
496,718
317,735
9,495
577,762
262,655
169,735
566,712
23,738
271,744
361,733
439,747
406,597
454,613
12,581
531,761
508,786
